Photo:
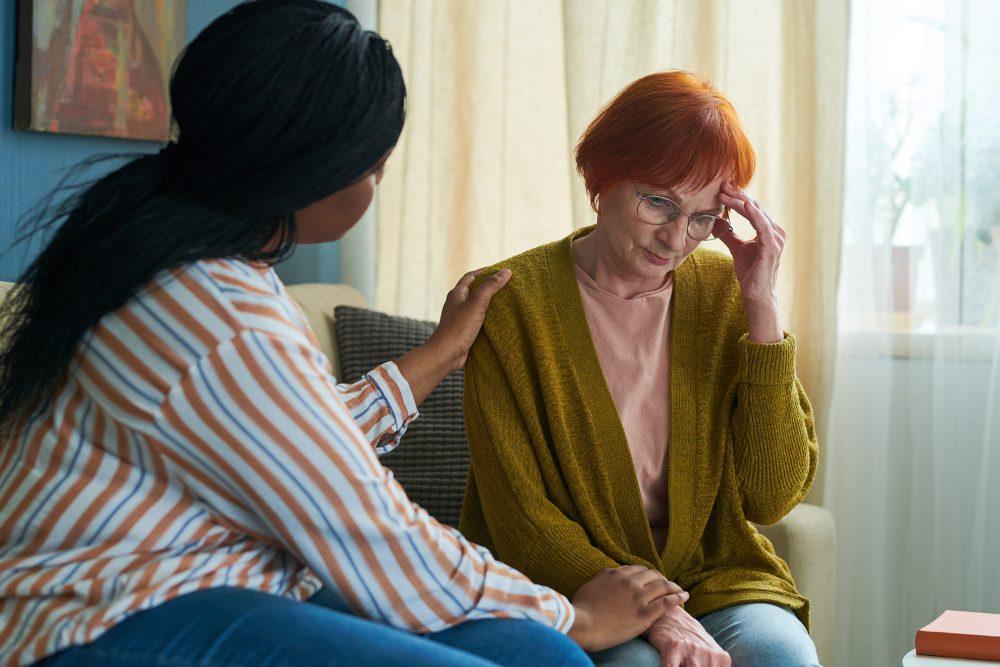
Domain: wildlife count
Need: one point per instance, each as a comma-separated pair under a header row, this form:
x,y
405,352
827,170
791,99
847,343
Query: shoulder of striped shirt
x,y
186,314
256,299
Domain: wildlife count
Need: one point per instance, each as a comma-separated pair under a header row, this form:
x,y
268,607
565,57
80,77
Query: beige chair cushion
x,y
318,301
806,539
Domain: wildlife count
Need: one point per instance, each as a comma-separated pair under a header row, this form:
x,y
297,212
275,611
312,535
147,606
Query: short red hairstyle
x,y
667,129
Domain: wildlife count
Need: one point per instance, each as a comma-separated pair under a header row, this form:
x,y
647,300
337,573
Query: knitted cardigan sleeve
x,y
774,437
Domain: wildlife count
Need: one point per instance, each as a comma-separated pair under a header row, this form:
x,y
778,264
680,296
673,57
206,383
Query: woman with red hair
x,y
632,399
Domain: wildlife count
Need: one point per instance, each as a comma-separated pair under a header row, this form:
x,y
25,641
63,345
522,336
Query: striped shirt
x,y
199,439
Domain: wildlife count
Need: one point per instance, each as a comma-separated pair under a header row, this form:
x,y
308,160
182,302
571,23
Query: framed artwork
x,y
97,67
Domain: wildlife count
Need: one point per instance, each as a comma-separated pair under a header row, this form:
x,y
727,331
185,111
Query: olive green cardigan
x,y
552,489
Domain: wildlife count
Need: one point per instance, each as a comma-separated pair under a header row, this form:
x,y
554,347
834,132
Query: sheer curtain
x,y
914,465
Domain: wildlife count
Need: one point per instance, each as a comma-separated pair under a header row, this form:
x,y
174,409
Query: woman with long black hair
x,y
182,481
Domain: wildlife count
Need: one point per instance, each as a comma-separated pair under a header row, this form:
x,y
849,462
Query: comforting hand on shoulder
x,y
464,311
683,642
425,366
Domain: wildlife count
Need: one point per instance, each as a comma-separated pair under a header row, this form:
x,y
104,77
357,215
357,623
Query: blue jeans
x,y
234,626
753,634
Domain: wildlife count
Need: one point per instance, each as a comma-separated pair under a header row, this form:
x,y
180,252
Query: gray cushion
x,y
432,458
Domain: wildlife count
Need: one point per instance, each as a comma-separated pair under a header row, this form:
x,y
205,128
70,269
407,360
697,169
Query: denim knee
x,y
514,642
762,634
550,647
634,653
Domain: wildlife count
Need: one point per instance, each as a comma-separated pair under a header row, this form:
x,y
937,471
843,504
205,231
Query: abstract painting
x,y
97,67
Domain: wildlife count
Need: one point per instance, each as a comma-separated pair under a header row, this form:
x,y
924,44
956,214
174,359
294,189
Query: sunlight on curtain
x,y
914,471
480,171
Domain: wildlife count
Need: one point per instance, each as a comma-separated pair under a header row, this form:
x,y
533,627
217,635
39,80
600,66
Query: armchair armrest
x,y
806,540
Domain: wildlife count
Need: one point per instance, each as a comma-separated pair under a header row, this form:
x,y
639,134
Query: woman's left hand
x,y
756,264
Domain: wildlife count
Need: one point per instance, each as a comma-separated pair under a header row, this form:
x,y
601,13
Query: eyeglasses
x,y
657,210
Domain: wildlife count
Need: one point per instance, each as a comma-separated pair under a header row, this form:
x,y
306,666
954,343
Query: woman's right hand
x,y
620,604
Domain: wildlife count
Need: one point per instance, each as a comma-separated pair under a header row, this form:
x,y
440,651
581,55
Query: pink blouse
x,y
632,339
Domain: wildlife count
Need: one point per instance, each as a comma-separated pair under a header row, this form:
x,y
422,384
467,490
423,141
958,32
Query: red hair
x,y
667,129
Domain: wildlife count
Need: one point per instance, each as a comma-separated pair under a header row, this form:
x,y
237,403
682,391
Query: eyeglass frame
x,y
690,216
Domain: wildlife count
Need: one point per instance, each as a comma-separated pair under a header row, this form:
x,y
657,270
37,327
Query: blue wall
x,y
31,163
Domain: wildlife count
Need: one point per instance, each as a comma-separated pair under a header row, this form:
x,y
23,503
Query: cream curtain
x,y
481,171
500,90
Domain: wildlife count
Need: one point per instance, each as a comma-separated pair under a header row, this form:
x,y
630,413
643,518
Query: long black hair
x,y
276,105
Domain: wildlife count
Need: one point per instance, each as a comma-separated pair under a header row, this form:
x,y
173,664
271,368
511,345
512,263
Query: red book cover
x,y
961,634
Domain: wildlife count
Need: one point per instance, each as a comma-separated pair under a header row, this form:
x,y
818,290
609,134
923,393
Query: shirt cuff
x,y
767,363
395,391
561,610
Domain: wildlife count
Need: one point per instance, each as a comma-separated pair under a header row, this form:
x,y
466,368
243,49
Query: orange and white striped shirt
x,y
200,440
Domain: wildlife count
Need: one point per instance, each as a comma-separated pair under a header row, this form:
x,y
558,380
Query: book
x,y
961,634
